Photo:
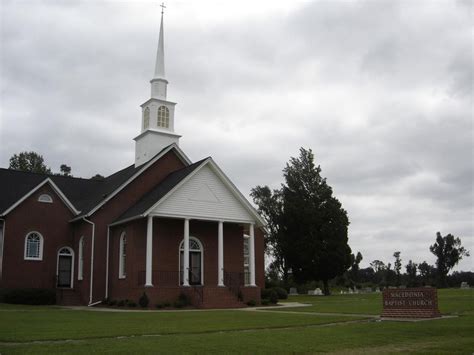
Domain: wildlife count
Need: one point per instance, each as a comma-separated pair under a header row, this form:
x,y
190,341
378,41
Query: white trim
x,y
198,217
107,264
202,258
72,265
226,182
91,286
158,131
32,191
145,166
149,253
40,257
122,272
45,198
80,259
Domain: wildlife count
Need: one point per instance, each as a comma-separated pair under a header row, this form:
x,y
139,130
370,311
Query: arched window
x,y
163,117
34,246
196,259
123,256
80,260
45,198
146,118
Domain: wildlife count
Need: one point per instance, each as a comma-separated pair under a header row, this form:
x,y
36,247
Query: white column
x,y
149,251
220,254
252,255
186,254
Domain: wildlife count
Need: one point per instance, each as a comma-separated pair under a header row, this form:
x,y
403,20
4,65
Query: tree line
x,y
307,238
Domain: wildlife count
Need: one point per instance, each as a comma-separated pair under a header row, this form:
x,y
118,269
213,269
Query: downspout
x,y
107,264
3,247
92,260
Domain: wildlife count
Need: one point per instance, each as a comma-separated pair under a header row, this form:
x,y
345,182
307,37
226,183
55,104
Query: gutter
x,y
92,260
107,264
3,247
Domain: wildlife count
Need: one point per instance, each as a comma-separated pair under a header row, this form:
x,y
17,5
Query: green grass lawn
x,y
239,331
451,301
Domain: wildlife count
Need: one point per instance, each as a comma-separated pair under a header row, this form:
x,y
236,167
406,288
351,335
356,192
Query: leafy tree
x,y
449,252
97,177
355,261
377,265
65,170
315,224
411,273
270,207
427,272
29,161
397,266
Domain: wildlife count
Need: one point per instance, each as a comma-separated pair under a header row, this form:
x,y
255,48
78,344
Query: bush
x,y
112,302
132,304
251,303
159,305
34,296
105,301
273,296
121,303
184,299
281,293
265,302
166,304
144,300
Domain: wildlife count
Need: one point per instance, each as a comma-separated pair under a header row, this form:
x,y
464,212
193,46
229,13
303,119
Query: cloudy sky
x,y
381,91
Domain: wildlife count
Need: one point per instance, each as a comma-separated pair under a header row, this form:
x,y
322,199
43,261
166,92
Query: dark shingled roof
x,y
84,194
159,191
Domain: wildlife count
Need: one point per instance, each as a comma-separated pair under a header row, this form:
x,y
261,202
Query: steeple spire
x,y
160,54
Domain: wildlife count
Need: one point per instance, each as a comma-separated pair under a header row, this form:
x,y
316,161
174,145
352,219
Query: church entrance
x,y
65,268
195,262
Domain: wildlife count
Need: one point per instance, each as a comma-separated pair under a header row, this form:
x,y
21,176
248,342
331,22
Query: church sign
x,y
410,303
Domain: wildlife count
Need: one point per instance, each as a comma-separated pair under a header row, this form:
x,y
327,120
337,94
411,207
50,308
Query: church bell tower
x,y
157,123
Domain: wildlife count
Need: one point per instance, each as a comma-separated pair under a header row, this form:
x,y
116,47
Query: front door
x,y
64,268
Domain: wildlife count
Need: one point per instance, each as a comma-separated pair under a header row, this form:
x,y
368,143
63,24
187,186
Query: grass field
x,y
47,329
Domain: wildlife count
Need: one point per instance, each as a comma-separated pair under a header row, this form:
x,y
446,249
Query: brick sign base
x,y
410,303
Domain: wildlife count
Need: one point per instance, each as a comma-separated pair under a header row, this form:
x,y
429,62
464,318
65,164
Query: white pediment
x,y
204,195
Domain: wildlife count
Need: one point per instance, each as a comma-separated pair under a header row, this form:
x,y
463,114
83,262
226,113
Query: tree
x,y
29,161
427,272
315,224
355,261
270,207
377,266
449,252
411,273
97,177
65,170
397,266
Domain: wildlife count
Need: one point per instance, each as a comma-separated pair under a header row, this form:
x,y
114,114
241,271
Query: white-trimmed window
x,y
146,118
80,259
123,256
34,246
247,259
163,117
45,198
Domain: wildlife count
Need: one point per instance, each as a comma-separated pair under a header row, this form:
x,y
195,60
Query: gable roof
x,y
84,195
173,182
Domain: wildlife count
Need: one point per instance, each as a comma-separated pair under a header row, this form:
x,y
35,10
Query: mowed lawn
x,y
30,329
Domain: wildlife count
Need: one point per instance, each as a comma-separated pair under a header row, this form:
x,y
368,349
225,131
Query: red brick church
x,y
163,225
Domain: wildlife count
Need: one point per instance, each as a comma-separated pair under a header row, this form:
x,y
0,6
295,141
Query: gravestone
x,y
318,292
293,291
410,303
464,285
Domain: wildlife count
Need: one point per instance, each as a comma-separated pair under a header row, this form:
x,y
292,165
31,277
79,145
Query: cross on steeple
x,y
163,7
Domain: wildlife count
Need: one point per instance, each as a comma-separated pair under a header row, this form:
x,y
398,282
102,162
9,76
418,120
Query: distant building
x,y
164,225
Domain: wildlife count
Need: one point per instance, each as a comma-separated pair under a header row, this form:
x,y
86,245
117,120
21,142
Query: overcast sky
x,y
381,91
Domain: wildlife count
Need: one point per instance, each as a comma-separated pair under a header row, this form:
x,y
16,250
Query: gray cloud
x,y
380,90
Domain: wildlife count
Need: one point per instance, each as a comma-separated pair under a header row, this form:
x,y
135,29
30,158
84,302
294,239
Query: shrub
x,y
121,303
105,301
144,300
265,293
112,302
132,304
184,299
281,292
159,305
251,303
166,304
273,296
34,296
265,302
178,304
240,296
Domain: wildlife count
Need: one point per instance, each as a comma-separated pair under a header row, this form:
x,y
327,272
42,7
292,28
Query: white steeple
x,y
157,112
